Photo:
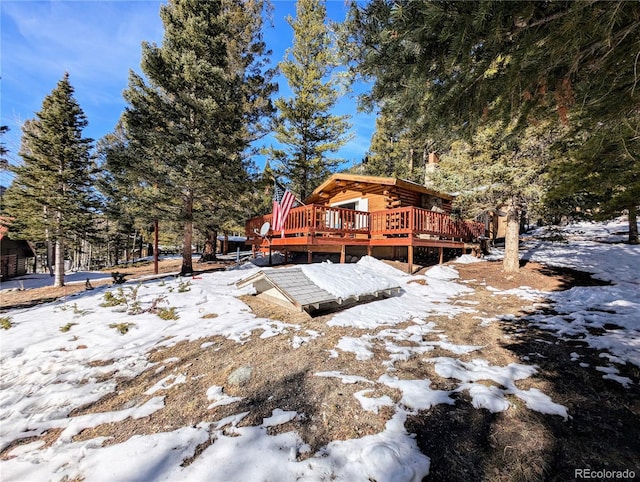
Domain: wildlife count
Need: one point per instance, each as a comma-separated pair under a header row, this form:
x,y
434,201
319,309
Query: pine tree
x,y
462,63
247,56
385,156
598,176
52,193
132,201
194,119
454,66
494,172
398,151
304,125
4,161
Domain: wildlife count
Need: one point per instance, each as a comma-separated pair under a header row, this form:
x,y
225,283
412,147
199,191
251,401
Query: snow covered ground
x,y
47,371
39,280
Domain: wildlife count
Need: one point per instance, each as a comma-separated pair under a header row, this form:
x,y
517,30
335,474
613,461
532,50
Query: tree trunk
x,y
410,161
511,262
523,222
90,255
49,245
115,253
140,244
210,244
49,255
633,225
58,280
155,246
425,161
133,246
187,262
75,260
494,224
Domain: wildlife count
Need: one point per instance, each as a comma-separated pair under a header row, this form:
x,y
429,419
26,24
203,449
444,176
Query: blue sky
x,y
98,42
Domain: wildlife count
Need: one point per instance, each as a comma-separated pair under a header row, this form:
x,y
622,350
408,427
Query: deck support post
x,y
343,253
369,250
441,254
309,256
410,258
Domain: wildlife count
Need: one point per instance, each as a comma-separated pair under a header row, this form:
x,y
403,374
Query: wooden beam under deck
x,y
333,243
418,242
340,246
329,242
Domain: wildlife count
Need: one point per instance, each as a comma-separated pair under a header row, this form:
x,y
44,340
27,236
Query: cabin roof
x,y
356,182
25,248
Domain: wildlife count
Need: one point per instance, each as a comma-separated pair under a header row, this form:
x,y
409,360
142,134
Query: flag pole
x,y
275,183
283,200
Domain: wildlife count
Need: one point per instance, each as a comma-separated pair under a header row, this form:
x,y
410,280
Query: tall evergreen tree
x,y
396,150
304,125
387,152
131,199
192,120
248,57
462,63
4,161
493,172
598,174
5,221
52,192
456,65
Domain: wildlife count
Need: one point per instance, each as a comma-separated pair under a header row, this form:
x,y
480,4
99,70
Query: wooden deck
x,y
323,229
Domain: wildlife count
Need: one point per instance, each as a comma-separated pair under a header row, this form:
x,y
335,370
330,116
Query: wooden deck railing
x,y
316,219
413,220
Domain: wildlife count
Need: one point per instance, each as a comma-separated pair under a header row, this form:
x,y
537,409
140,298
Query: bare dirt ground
x,y
464,443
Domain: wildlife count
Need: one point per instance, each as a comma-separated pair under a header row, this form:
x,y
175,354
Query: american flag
x,y
282,202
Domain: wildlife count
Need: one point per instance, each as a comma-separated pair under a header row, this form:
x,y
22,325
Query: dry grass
x,y
463,443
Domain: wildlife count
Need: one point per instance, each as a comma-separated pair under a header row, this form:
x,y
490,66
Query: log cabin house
x,y
15,256
358,215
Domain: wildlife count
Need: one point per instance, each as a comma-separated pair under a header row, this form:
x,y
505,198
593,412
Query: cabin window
x,y
350,205
358,220
433,203
358,204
